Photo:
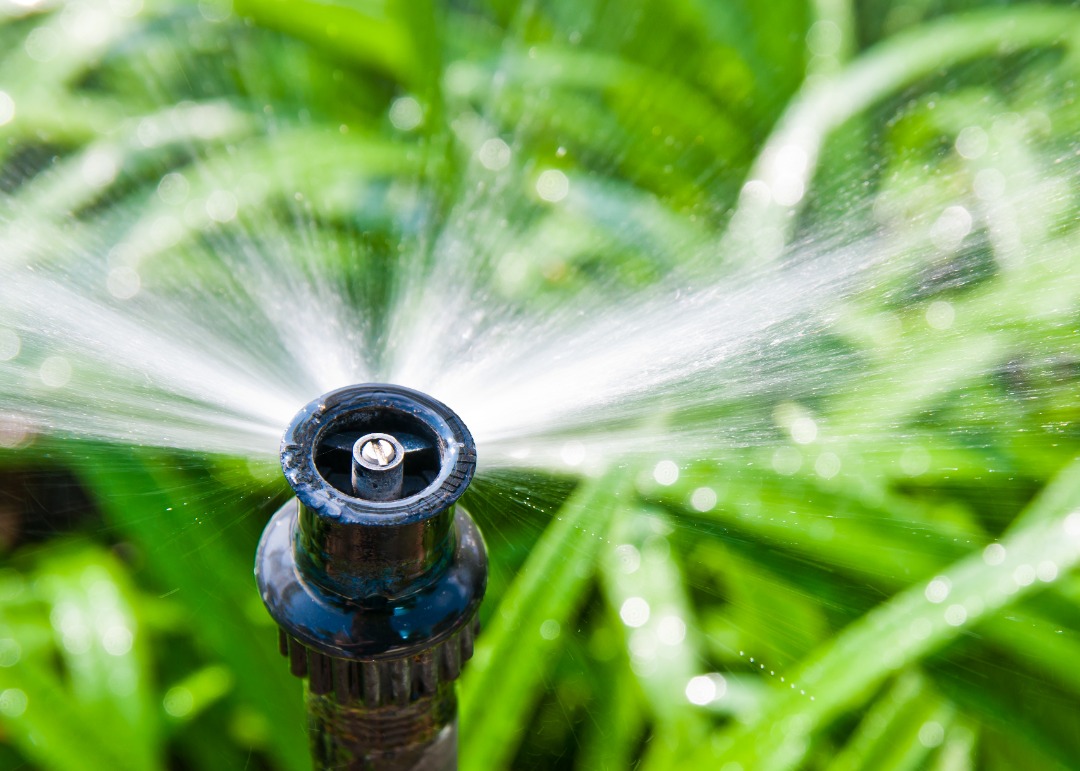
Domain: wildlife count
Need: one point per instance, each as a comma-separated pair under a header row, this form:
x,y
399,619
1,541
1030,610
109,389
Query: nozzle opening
x,y
415,463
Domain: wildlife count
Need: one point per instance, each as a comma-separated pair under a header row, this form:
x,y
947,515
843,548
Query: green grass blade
x,y
642,578
903,630
39,717
507,673
213,578
105,653
901,60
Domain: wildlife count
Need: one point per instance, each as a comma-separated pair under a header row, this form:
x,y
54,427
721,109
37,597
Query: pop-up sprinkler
x,y
374,576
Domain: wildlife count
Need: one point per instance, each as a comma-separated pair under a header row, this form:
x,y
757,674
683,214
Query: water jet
x,y
374,574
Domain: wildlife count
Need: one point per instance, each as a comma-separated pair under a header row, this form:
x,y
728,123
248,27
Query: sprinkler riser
x,y
371,627
369,565
376,599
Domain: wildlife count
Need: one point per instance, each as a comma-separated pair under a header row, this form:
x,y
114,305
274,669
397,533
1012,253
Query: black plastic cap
x,y
377,408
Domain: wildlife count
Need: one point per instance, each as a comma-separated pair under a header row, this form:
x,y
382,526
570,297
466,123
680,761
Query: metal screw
x,y
378,451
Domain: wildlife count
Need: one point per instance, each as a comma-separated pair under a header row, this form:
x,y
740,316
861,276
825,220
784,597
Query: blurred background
x,y
764,315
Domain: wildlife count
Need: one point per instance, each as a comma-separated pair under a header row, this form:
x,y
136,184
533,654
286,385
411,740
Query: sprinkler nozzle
x,y
378,468
374,575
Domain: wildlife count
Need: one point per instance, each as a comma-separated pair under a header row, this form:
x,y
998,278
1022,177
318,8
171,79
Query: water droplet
x,y
755,192
55,372
642,645
173,188
788,190
10,344
178,701
938,589
14,430
703,689
494,154
10,652
13,702
955,615
914,461
215,11
1024,575
951,227
703,499
827,465
972,142
792,159
123,283
221,206
117,640
804,430
7,108
989,185
406,113
671,630
786,460
629,556
921,628
552,185
634,611
573,453
824,38
100,167
666,473
931,734
994,554
940,314
1047,571
42,44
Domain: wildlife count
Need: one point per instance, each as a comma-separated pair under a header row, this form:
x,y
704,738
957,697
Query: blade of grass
x,y
105,653
615,720
958,753
888,737
905,58
366,32
643,575
901,631
40,718
1024,714
506,675
211,577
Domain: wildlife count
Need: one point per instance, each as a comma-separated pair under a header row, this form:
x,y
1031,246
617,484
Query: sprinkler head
x,y
372,573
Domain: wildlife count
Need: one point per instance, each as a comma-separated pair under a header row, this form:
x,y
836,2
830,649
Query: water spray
x,y
374,576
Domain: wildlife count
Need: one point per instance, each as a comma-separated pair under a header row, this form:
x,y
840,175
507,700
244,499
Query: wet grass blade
x,y
40,718
905,629
644,584
212,578
508,671
106,655
96,710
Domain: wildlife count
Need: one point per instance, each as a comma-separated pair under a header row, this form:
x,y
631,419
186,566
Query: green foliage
x,y
544,599
885,579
